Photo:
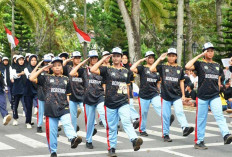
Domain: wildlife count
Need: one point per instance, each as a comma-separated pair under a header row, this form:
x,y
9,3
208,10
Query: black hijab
x,y
29,66
19,69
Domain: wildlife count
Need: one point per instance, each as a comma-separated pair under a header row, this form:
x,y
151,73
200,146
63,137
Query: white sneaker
x,y
6,119
35,110
15,122
28,126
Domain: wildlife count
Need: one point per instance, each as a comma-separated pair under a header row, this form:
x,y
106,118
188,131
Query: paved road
x,y
19,141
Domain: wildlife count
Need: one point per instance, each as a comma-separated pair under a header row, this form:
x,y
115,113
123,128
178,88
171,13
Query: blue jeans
x,y
52,129
112,118
73,111
144,107
201,117
133,113
40,113
166,113
90,111
3,107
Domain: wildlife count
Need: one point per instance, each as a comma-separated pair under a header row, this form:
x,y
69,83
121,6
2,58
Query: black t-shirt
x,y
116,86
94,91
230,68
208,75
171,76
228,93
40,90
192,94
56,89
148,82
77,85
132,78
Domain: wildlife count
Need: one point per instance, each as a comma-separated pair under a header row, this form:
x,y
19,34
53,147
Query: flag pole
x,y
85,30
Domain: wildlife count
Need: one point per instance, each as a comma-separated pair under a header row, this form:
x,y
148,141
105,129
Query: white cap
x,y
19,56
27,55
105,53
93,53
117,50
172,51
76,54
5,58
57,59
50,54
149,53
207,46
33,55
15,56
47,58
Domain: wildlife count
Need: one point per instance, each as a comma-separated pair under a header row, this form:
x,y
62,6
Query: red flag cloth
x,y
82,36
13,41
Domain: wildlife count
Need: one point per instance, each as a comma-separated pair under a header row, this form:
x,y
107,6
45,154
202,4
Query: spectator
x,y
190,95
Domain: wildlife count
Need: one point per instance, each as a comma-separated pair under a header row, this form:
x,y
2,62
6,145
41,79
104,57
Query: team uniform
x,y
171,95
208,95
56,89
76,97
116,105
93,99
148,94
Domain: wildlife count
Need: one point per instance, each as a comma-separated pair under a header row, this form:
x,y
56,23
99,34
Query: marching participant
x,y
172,91
93,95
149,90
57,89
209,80
116,100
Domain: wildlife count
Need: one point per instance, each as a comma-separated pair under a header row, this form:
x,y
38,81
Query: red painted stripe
x,y
37,111
140,115
85,118
107,129
48,133
196,120
162,116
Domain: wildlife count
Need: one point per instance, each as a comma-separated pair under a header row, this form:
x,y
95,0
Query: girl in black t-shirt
x,y
172,92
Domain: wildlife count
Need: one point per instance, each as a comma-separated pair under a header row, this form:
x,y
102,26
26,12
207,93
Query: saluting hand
x,y
143,59
163,56
203,54
47,67
107,56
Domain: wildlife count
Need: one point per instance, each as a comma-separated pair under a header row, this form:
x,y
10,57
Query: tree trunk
x,y
13,24
132,24
180,25
219,18
189,30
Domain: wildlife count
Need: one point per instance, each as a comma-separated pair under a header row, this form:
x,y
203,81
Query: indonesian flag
x,y
13,41
82,36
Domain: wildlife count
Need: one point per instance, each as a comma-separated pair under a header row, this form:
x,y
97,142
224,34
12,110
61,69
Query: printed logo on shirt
x,y
167,70
217,68
173,79
206,67
125,74
178,71
113,74
58,90
148,72
211,76
94,81
77,79
151,80
51,80
65,82
116,83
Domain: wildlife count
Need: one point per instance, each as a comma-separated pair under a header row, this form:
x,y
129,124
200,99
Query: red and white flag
x,y
13,41
82,36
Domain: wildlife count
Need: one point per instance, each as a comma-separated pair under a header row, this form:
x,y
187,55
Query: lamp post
x,y
194,48
37,51
174,44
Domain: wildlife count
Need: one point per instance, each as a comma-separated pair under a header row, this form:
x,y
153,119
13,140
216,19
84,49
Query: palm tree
x,y
32,11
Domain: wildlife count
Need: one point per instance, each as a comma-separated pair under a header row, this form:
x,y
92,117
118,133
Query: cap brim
x,y
172,53
117,53
150,55
57,60
47,60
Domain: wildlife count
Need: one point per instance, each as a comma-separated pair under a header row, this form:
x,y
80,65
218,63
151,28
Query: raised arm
x,y
136,64
190,64
95,68
154,65
35,75
182,89
74,70
66,61
37,66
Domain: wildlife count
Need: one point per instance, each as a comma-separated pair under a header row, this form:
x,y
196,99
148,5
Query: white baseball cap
x,y
149,53
172,51
19,56
47,58
15,56
93,53
51,54
76,54
207,46
57,59
105,53
117,50
27,55
5,58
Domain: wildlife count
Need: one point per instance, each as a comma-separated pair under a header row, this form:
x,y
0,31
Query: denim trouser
x,y
166,113
73,111
40,113
3,107
144,105
112,118
134,114
52,129
201,117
